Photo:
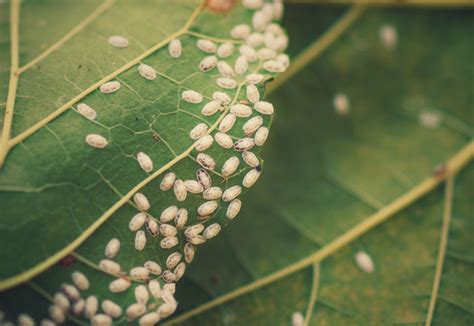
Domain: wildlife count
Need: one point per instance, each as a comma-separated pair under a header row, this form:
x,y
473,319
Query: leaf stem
x,y
314,293
452,167
215,39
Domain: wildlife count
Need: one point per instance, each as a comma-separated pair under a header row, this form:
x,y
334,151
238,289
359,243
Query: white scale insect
x,y
169,276
283,59
92,305
169,242
221,97
191,96
211,108
225,69
147,72
110,87
252,93
251,159
78,307
249,52
173,260
180,191
203,143
266,54
139,273
80,280
208,63
252,125
241,31
101,320
233,209
206,161
230,166
224,140
151,318
250,178
140,240
155,288
225,50
231,193
261,136
168,181
203,178
181,218
254,40
113,246
61,301
241,110
211,231
96,141
141,294
86,111
273,66
198,131
252,4
297,319
145,162
206,46
197,240
169,213
212,193
111,308
364,262
259,21
179,270
71,291
153,267
264,107
244,144
168,230
193,186
241,65
109,266
194,230
137,221
227,122
175,48
171,287
341,104
189,252
56,314
24,320
254,78
135,310
227,83
118,41
141,201
119,285
208,208
152,226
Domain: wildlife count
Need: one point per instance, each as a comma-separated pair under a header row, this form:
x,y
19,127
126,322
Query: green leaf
x,y
335,178
62,200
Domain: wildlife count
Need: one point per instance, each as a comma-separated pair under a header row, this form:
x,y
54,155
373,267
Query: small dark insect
x,y
80,66
156,137
67,261
258,168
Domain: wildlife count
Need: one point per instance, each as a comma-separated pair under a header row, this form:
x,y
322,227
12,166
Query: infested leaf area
x,y
62,200
327,175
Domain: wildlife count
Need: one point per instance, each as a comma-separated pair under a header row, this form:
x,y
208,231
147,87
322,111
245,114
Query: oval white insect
x,y
141,201
152,226
71,291
388,36
141,294
206,161
241,65
203,178
92,305
191,96
283,59
179,270
197,240
118,41
273,66
206,46
208,208
211,108
225,69
297,319
364,262
173,259
140,240
135,310
266,54
169,277
241,110
252,125
224,140
168,181
259,21
231,193
341,104
25,320
227,83
221,97
167,230
137,221
254,40
250,178
244,144
264,107
119,285
227,122
230,166
80,280
47,322
233,209
169,213
249,52
181,218
193,230
278,9
208,63
101,320
211,231
153,267
155,288
198,131
111,308
78,307
151,318
240,31
175,49
251,159
56,314
189,252
109,266
212,193
225,50
139,273
252,93
281,43
261,136
110,87
171,287
145,162
166,309
254,78
252,4
169,242
180,191
274,29
96,141
267,10
147,72
86,111
61,301
193,186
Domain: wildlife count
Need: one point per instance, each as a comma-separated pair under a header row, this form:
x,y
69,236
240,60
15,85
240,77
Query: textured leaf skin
x,y
333,172
54,187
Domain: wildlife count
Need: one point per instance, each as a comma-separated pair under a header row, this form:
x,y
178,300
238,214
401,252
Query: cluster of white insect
x,y
243,63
